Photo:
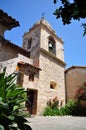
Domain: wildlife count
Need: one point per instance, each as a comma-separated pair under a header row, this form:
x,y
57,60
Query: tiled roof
x,y
25,63
7,21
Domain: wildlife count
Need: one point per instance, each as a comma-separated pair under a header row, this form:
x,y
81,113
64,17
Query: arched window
x,y
29,44
51,45
53,85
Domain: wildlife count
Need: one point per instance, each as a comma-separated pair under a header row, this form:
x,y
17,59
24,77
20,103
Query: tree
x,y
69,11
12,98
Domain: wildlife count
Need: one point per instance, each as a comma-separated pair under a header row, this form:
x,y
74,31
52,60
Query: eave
x,y
7,21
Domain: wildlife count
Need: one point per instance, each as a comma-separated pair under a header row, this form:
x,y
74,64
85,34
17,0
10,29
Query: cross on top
x,y
43,14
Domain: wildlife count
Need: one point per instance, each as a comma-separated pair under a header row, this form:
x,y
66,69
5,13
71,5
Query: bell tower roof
x,y
43,22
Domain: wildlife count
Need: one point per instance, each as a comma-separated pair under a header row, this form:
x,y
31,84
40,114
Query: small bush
x,y
53,103
80,96
81,92
68,109
51,112
52,108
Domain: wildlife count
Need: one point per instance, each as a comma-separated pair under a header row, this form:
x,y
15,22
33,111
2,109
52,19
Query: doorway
x,y
32,101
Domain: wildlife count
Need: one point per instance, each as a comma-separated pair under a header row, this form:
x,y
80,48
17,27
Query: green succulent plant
x,y
12,98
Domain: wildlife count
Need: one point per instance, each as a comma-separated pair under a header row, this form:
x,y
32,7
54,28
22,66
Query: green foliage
x,y
84,27
68,108
80,97
12,98
71,108
1,127
69,11
48,111
52,108
60,111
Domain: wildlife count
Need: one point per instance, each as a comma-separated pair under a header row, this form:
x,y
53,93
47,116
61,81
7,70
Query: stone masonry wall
x,y
51,71
27,84
35,45
12,63
7,53
44,43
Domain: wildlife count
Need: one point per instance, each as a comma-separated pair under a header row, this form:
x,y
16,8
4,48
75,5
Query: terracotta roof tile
x,y
25,63
7,21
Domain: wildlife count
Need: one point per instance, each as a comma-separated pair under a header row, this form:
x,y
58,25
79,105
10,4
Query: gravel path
x,y
57,123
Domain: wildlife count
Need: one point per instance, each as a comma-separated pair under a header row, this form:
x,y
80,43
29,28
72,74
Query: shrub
x,y
81,92
48,111
11,99
68,109
73,108
53,103
80,97
52,108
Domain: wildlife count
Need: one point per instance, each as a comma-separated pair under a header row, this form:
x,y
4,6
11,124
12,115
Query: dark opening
x,y
31,102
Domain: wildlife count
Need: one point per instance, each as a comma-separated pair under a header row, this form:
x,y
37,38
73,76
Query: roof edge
x,y
25,63
21,50
73,67
40,24
7,20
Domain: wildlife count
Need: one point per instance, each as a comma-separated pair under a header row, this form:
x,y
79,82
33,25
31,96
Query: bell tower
x,y
41,36
46,51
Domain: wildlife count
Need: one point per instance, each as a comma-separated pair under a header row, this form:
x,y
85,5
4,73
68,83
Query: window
x,y
31,76
53,85
29,44
51,45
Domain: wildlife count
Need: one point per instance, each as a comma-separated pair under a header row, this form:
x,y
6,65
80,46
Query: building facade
x,y
46,51
75,76
40,62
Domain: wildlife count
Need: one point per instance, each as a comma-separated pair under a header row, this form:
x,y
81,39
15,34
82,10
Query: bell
x,y
50,45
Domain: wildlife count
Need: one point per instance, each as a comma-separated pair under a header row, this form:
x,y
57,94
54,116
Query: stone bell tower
x,y
46,51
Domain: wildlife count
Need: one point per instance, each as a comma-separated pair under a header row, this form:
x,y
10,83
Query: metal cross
x,y
43,14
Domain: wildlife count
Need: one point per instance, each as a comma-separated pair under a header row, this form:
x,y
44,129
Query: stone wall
x,y
45,33
52,71
35,44
27,84
12,63
7,52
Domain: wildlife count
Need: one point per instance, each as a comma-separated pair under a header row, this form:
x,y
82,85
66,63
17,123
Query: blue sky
x,y
28,12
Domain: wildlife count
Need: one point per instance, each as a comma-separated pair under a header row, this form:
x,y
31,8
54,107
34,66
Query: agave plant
x,y
12,98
